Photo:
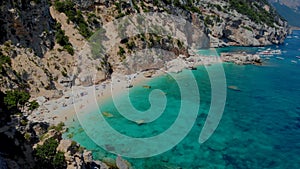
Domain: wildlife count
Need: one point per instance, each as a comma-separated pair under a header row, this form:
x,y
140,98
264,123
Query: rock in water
x,y
106,114
101,165
140,122
147,87
121,163
234,88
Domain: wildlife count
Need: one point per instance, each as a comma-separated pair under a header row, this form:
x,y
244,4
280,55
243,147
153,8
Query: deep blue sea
x,y
260,126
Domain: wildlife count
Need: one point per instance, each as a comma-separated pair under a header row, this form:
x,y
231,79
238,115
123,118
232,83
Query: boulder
x,y
121,163
41,100
64,145
87,156
57,94
101,165
99,77
149,74
40,128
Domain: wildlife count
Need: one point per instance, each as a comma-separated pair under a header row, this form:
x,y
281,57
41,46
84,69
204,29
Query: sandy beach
x,y
79,99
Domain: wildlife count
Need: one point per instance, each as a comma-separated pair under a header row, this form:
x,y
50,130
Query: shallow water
x,y
260,127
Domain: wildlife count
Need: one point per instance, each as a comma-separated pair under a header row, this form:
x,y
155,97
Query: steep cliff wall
x,y
233,22
27,24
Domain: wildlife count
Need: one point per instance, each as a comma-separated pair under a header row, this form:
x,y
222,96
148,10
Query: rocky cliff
x,y
43,47
225,23
27,24
234,22
67,25
289,9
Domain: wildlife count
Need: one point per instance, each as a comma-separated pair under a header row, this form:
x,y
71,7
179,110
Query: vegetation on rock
x,y
16,98
59,127
63,40
254,10
74,15
48,156
4,60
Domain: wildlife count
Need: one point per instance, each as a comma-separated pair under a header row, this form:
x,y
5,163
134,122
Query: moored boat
x,y
280,58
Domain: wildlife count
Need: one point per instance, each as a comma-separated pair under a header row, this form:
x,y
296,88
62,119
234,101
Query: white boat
x,y
276,52
270,52
280,58
293,61
298,57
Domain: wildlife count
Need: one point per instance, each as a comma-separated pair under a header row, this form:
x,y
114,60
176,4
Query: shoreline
x,y
80,99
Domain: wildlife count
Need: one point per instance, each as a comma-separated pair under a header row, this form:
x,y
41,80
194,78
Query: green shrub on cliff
x,y
4,60
74,15
16,98
253,10
63,40
59,127
33,105
48,156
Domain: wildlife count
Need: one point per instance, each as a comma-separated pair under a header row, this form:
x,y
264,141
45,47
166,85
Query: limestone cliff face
x,y
239,23
27,24
259,25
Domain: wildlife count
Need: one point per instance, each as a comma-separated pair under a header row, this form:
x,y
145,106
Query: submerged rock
x,y
234,88
146,86
107,114
121,163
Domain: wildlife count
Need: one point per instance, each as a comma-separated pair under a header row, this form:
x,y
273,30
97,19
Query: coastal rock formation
x,y
241,58
30,24
47,54
121,163
232,25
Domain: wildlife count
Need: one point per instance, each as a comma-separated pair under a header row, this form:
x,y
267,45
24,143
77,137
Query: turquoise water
x,y
260,127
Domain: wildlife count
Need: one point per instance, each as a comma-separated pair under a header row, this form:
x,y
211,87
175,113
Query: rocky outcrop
x,y
241,58
28,24
227,27
121,163
13,141
85,4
